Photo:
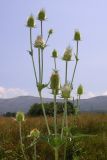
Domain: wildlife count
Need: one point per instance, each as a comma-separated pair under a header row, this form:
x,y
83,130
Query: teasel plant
x,y
35,135
66,89
54,139
77,38
40,45
20,117
55,86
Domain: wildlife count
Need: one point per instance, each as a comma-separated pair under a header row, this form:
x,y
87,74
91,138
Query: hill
x,y
23,103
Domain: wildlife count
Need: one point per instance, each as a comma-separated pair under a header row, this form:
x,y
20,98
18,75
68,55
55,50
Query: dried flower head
x,y
35,133
80,90
20,117
54,53
67,54
66,91
77,36
50,31
30,22
39,42
42,15
55,81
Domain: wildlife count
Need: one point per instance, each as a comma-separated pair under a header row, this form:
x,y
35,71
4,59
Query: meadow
x,y
93,146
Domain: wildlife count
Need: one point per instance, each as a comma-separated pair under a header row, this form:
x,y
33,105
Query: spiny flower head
x,y
77,36
42,15
55,81
30,22
20,117
54,53
66,90
80,90
50,31
39,42
35,133
67,54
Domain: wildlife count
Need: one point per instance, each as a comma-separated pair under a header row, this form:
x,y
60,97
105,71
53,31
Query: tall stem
x,y
42,54
44,113
39,60
21,141
35,74
66,72
35,154
55,63
64,119
56,154
55,114
75,66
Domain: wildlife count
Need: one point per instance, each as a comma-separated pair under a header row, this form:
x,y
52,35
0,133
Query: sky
x,y
64,16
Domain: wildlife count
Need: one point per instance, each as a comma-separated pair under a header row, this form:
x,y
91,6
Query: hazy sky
x,y
64,16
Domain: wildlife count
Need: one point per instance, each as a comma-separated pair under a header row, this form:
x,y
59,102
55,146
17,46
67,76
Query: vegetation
x,y
89,147
36,110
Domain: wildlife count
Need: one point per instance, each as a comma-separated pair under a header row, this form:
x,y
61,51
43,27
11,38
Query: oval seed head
x,y
67,54
66,91
54,54
77,36
80,90
20,117
30,22
35,133
39,43
42,15
55,81
50,31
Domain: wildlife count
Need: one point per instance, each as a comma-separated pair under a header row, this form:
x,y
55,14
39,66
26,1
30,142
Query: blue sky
x,y
64,16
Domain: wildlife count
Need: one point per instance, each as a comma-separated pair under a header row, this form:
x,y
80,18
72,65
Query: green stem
x,y
55,63
34,70
41,53
47,40
75,66
32,56
65,150
21,141
39,65
44,113
35,155
74,73
55,114
42,59
78,101
56,154
66,119
41,29
66,72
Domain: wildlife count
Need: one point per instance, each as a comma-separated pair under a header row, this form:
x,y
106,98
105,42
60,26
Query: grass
x,y
89,148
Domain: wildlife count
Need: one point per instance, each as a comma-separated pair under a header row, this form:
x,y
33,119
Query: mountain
x,y
23,103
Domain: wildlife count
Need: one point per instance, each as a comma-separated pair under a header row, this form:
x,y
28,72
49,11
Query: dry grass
x,y
95,147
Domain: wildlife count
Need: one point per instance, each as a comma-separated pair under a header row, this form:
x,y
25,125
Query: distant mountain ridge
x,y
23,103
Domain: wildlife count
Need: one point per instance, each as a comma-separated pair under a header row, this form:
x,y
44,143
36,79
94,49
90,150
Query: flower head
x,y
42,15
66,91
35,133
20,117
30,22
80,90
50,31
67,54
39,42
54,53
77,36
55,81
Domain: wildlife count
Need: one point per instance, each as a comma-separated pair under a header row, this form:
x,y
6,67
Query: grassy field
x,y
89,148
